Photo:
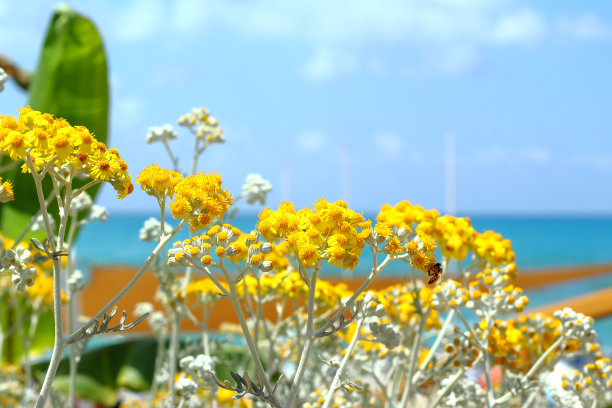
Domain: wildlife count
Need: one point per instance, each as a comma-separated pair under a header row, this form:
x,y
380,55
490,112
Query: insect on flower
x,y
434,270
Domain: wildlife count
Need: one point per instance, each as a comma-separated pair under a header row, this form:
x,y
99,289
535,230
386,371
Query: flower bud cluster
x,y
39,223
449,294
203,126
386,334
197,367
576,325
256,189
15,262
156,319
464,393
400,305
80,203
151,230
462,351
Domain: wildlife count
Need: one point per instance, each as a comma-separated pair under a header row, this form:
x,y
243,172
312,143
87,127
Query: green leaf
x,y
71,82
87,387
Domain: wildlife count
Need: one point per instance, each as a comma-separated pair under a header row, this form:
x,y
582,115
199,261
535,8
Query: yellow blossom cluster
x,y
493,248
289,285
517,344
204,290
455,235
406,215
45,139
198,198
331,231
399,303
159,182
42,290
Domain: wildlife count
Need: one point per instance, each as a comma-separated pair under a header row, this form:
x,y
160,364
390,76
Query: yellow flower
x,y
158,182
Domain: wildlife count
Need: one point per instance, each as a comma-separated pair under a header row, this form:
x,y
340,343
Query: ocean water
x,y
539,242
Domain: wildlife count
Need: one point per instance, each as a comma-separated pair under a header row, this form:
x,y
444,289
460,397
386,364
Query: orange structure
x,y
106,281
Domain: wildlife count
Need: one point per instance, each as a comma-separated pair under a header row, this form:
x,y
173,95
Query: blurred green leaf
x,y
136,373
87,387
70,82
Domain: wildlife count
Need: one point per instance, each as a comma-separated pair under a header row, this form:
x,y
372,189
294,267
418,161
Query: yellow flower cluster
x,y
46,139
517,344
290,285
42,290
198,198
406,215
204,290
493,248
399,303
331,231
159,182
455,235
202,195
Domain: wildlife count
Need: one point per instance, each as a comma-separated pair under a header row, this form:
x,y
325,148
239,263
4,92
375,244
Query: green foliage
x,y
71,82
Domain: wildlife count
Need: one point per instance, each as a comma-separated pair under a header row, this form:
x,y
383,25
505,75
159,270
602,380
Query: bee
x,y
434,270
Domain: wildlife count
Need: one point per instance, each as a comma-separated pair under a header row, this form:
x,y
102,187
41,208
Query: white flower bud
x,y
256,189
163,133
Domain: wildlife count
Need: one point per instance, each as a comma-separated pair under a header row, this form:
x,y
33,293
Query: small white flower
x,y
142,308
75,282
256,189
98,213
23,277
17,257
163,133
186,386
39,223
386,334
3,79
80,203
151,229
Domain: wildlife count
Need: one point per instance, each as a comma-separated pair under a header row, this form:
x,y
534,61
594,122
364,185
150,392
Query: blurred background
x,y
498,110
363,101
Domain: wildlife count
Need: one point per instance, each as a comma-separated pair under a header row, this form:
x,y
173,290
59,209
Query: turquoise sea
x,y
538,241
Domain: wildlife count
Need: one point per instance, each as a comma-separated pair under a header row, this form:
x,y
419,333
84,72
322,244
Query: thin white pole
x,y
451,174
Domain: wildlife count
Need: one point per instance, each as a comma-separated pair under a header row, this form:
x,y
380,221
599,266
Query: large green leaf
x,y
71,81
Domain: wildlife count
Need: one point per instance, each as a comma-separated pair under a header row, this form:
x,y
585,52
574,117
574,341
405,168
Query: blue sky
x,y
311,93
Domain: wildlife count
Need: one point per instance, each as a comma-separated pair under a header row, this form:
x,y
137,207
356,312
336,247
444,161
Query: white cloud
x,y
537,155
389,144
327,65
585,27
129,110
599,161
525,26
310,141
140,20
458,60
